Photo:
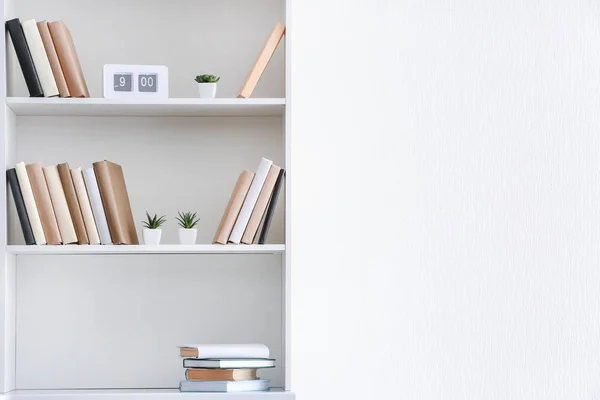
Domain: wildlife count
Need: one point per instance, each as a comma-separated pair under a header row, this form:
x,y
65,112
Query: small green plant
x,y
187,220
207,79
154,222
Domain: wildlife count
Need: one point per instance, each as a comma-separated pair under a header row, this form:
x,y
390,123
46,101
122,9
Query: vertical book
x,y
69,61
262,239
73,203
261,205
24,56
115,199
40,58
13,181
233,207
59,77
85,206
32,210
43,202
91,185
59,202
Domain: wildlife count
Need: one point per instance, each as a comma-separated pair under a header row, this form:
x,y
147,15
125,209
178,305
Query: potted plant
x,y
152,231
187,232
207,86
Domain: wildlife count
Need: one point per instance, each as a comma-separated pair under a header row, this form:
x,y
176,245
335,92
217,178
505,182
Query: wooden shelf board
x,y
141,394
179,107
143,249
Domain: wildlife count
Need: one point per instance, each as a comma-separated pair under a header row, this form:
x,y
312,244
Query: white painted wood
x,y
116,322
142,394
144,249
152,108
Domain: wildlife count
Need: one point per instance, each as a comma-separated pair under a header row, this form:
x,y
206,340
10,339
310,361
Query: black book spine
x,y
271,210
13,181
24,55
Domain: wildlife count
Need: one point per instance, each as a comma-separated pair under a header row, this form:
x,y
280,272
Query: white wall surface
x,y
445,195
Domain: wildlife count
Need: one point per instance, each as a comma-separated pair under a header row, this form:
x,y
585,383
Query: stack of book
x,y
253,200
59,205
48,59
224,367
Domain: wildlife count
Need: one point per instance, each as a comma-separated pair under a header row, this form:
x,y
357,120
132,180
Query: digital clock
x,y
136,81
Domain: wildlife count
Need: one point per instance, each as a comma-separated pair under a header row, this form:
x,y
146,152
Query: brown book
x,y
233,207
73,203
261,205
69,61
43,203
115,200
220,374
59,77
262,61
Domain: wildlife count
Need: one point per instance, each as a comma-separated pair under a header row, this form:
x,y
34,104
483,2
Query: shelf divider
x,y
145,249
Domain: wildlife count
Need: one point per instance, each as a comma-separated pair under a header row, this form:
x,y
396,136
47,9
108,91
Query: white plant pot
x,y
207,90
187,236
152,236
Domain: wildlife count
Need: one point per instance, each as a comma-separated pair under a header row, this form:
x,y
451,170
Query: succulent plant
x,y
207,79
154,222
187,220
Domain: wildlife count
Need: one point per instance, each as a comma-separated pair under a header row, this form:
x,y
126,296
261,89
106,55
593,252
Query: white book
x,y
245,350
228,363
224,386
250,202
85,206
30,206
59,203
40,58
91,185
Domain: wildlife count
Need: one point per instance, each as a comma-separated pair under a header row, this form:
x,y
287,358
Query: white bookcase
x,y
103,322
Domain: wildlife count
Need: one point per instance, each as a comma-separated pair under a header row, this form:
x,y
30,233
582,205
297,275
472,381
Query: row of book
x,y
58,205
48,59
224,367
253,200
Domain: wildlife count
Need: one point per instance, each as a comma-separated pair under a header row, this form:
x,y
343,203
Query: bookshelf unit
x,y
103,322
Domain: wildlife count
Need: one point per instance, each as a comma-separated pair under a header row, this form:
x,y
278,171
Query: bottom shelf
x,y
141,394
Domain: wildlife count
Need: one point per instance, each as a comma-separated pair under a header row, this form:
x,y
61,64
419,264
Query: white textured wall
x,y
452,251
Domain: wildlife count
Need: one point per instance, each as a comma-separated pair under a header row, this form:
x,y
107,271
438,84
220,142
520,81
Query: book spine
x,y
233,207
43,202
272,206
69,61
73,203
107,194
24,56
96,201
59,77
61,208
40,58
261,205
250,201
30,206
86,207
11,176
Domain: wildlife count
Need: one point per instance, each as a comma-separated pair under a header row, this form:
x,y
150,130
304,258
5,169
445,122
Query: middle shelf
x,y
144,249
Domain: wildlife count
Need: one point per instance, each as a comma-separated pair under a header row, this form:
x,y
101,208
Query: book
x,y
252,350
59,77
271,210
91,186
66,180
228,363
13,181
59,203
69,61
233,207
40,58
24,56
224,386
200,374
262,61
30,206
257,183
85,206
43,203
115,199
261,205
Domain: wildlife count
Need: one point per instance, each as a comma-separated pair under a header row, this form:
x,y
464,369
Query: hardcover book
x,y
261,205
251,350
43,202
59,77
233,207
199,374
224,386
228,363
73,203
30,206
40,58
11,176
59,203
69,61
272,206
24,56
91,185
85,206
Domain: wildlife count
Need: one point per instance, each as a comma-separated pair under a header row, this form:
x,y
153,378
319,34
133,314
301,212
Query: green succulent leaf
x,y
154,222
207,79
187,220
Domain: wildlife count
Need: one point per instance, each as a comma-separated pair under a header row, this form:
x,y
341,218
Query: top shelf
x,y
222,107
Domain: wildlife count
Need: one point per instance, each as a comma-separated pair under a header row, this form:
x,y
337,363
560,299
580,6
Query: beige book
x,y
74,210
40,58
69,61
57,71
197,374
59,203
262,61
233,207
43,203
261,205
115,200
85,206
29,200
